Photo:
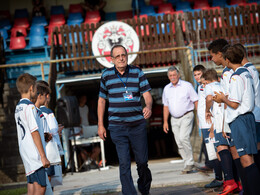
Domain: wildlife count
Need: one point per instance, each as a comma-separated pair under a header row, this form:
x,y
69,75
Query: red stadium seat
x,y
75,8
92,17
237,2
20,30
17,43
165,8
202,4
156,3
57,20
21,22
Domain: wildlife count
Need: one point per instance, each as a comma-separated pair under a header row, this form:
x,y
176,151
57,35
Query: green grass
x,y
17,191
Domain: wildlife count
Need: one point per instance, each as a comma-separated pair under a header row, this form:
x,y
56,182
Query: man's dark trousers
x,y
122,136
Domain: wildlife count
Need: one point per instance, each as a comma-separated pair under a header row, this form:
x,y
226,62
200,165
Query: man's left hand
x,y
147,112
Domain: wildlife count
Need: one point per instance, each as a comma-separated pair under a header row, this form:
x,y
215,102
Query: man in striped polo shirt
x,y
123,85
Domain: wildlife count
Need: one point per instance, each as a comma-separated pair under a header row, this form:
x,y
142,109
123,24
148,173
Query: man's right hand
x,y
45,162
102,132
165,127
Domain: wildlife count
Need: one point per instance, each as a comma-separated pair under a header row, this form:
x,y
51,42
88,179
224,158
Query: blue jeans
x,y
136,136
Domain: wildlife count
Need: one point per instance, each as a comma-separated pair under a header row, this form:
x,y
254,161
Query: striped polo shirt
x,y
112,87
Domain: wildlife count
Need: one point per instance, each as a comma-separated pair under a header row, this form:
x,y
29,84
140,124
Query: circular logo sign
x,y
114,33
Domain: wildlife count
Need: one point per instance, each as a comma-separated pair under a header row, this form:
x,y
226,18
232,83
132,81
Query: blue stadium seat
x,y
75,18
4,33
5,23
39,20
58,9
219,3
173,2
21,13
141,3
37,30
184,6
37,41
148,10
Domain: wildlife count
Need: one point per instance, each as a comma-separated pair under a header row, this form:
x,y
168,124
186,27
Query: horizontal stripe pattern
x,y
112,88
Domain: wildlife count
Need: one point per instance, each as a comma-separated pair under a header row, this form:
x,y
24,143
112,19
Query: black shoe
x,y
215,183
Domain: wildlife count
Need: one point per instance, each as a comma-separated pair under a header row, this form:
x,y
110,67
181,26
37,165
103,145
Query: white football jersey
x,y
217,109
27,121
254,73
225,77
201,108
53,126
241,90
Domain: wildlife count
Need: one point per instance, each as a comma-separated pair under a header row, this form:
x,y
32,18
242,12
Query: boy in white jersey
x,y
30,135
55,130
52,150
198,71
254,73
215,112
240,118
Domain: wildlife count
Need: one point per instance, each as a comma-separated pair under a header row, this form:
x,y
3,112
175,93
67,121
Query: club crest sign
x,y
114,33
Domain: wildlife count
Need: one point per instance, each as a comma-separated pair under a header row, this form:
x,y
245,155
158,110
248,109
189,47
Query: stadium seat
x,y
147,10
21,13
75,18
92,17
124,15
75,8
57,10
165,8
219,3
39,20
4,33
141,3
57,20
183,6
18,30
202,4
237,2
17,43
156,3
55,40
21,22
5,23
37,30
36,41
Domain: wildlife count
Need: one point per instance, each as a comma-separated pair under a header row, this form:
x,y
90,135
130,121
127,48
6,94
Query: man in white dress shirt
x,y
179,98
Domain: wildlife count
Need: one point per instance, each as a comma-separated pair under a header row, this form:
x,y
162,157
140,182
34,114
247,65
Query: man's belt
x,y
183,114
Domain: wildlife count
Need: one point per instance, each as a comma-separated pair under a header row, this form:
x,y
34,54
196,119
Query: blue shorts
x,y
220,140
50,171
244,134
205,134
257,125
38,176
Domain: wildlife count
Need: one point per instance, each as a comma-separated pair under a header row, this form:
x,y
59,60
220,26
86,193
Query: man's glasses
x,y
119,56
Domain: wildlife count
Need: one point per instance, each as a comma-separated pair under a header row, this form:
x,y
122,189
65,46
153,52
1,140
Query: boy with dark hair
x,y
198,71
240,118
31,136
53,148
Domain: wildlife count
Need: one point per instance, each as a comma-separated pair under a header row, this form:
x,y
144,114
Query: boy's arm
x,y
220,97
209,102
37,141
211,131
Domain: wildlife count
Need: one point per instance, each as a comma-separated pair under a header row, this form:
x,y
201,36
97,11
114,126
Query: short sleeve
x,y
31,115
164,98
193,95
236,84
208,90
143,83
103,89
